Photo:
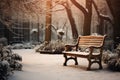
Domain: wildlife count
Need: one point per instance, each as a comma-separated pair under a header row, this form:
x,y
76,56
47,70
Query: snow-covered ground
x,y
38,66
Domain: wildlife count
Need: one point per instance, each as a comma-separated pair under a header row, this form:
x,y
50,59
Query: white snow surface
x,y
38,66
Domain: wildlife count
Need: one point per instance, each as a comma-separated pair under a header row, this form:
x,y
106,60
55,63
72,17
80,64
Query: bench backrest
x,y
87,41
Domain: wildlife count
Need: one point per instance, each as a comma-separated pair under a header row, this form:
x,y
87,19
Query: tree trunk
x,y
48,21
88,18
114,6
101,27
87,15
72,22
87,25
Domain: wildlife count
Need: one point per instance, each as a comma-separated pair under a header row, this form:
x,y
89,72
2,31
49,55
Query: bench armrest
x,y
69,47
97,47
92,48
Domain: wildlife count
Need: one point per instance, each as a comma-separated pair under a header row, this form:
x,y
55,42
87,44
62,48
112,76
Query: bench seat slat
x,y
79,53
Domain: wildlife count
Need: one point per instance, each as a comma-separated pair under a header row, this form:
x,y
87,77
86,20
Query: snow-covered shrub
x,y
58,47
7,59
112,59
55,47
114,64
16,65
16,56
5,70
3,41
108,55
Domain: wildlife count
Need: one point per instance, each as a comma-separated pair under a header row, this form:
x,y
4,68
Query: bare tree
x,y
114,6
48,21
102,18
87,15
70,17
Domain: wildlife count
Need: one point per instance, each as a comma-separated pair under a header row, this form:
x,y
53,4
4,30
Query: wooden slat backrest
x,y
91,41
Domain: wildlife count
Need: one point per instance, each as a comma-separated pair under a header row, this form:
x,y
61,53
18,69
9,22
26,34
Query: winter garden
x,y
46,26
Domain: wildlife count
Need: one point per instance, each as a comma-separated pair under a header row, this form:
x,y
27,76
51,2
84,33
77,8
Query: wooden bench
x,y
89,47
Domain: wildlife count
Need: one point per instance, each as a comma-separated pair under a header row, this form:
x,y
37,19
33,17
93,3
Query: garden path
x,y
38,66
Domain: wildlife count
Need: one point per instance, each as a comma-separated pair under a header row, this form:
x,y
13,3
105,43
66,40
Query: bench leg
x,y
65,63
76,62
66,59
100,64
89,64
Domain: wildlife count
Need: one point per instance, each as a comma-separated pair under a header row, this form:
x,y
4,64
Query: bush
x,y
55,47
3,41
112,59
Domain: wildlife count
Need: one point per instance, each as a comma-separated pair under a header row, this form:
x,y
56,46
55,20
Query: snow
x,y
38,66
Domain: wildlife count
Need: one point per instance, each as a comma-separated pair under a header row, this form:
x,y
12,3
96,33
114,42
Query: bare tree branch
x,y
79,6
110,7
105,17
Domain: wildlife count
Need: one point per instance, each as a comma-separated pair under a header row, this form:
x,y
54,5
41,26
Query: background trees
x,y
114,6
82,17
